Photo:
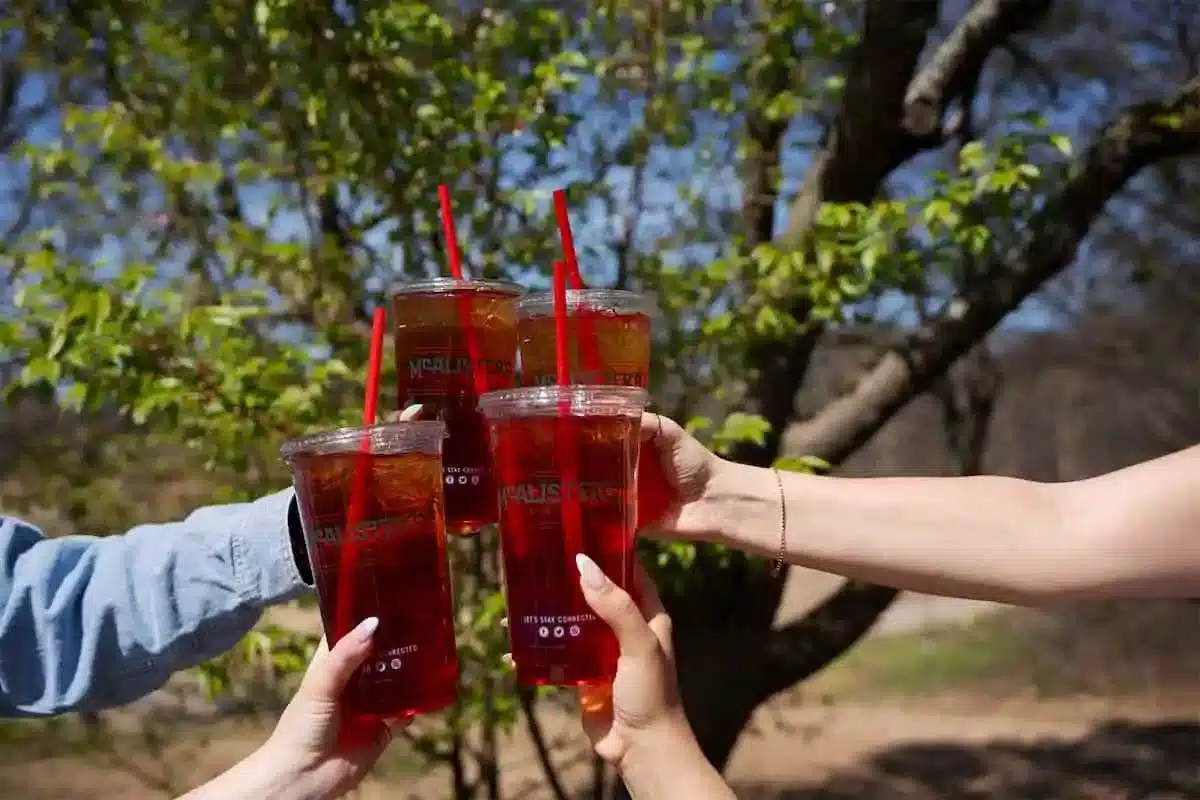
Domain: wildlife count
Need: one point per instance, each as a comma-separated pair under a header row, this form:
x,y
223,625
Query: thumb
x,y
329,673
614,605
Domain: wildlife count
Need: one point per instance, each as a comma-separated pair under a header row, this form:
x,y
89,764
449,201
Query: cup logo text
x,y
372,530
422,366
597,378
555,493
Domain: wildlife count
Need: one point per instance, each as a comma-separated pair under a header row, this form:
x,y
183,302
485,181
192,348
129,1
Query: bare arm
x,y
672,767
1131,533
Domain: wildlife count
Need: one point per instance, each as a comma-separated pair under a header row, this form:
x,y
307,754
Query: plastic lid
x,y
615,301
392,438
576,400
448,285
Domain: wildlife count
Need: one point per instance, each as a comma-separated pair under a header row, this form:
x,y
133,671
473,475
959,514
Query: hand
x,y
641,710
304,746
676,475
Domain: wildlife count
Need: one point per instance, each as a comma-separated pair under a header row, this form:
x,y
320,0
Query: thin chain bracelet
x,y
777,567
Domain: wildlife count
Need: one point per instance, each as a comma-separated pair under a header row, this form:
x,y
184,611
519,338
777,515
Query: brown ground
x,y
1072,717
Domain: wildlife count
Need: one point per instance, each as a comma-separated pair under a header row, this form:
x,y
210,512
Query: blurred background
x,y
885,236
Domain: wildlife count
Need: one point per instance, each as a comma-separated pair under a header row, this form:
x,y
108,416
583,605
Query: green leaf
x,y
1061,143
41,369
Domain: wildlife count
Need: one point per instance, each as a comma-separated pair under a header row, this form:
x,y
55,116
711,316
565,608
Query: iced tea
x,y
609,344
543,462
608,338
389,562
448,335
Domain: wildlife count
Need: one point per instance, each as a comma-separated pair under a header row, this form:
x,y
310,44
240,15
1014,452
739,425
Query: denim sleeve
x,y
89,623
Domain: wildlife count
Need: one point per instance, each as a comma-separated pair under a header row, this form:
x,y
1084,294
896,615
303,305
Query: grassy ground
x,y
1107,649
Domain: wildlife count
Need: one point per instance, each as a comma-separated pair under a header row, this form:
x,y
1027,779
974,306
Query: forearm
x,y
988,538
257,777
672,767
88,622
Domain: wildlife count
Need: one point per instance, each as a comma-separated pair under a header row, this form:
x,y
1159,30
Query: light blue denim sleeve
x,y
89,623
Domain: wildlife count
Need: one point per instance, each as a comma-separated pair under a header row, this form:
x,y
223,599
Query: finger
x,y
614,605
329,673
653,610
411,413
656,426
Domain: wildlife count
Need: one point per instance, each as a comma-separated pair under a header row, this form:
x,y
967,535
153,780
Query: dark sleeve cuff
x,y
299,546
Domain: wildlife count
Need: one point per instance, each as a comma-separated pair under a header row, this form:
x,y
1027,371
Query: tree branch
x,y
539,744
958,61
1144,135
801,648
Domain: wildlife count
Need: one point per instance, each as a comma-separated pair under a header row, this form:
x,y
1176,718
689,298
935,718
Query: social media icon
x,y
396,664
381,667
543,632
558,632
449,480
574,630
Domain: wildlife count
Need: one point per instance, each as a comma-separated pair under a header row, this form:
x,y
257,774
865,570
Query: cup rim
x,y
348,439
618,301
598,399
450,285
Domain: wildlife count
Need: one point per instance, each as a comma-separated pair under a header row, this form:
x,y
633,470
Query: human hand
x,y
302,759
637,724
641,708
677,479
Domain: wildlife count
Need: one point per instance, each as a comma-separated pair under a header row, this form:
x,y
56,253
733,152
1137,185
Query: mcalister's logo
x,y
555,492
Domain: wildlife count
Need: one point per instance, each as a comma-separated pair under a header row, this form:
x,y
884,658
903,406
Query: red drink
x,y
608,344
450,334
608,338
545,462
389,562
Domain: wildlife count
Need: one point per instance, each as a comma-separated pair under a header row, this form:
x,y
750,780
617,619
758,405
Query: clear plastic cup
x,y
608,334
373,522
455,340
564,460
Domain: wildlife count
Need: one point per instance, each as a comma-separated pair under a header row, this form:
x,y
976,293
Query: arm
x,y
672,766
255,776
87,623
1131,533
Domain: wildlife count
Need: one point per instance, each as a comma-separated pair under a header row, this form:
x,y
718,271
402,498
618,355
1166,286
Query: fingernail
x,y
365,629
507,659
589,572
411,413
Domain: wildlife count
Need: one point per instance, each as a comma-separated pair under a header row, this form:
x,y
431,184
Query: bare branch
x,y
958,61
1145,134
539,744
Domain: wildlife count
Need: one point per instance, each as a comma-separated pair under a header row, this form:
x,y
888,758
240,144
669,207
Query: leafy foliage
x,y
226,190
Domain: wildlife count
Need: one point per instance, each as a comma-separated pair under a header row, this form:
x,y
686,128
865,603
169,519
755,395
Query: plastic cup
x,y
609,327
550,446
436,368
396,567
617,324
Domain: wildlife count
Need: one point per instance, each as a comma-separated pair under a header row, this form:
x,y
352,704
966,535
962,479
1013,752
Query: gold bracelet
x,y
777,567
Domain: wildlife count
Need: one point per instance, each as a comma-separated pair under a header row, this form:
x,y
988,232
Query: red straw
x,y
448,233
572,517
362,473
562,359
568,240
589,345
464,305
